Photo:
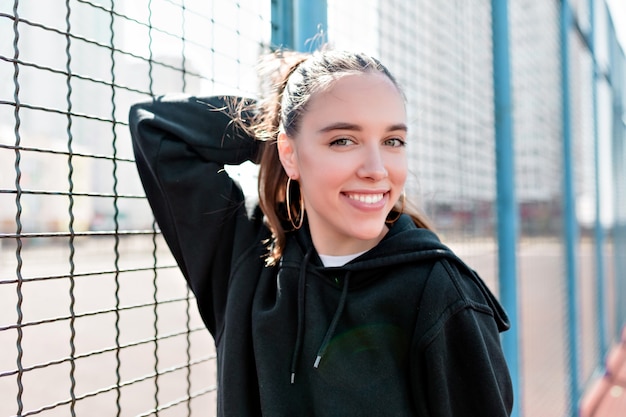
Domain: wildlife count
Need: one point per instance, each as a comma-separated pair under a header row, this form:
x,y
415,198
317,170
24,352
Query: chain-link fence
x,y
95,318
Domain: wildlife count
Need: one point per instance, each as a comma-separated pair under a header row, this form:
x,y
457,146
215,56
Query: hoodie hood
x,y
406,243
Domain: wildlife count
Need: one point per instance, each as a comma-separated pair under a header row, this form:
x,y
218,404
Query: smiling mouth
x,y
367,198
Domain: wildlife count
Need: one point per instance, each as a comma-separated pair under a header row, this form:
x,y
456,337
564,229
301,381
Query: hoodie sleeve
x,y
181,144
459,368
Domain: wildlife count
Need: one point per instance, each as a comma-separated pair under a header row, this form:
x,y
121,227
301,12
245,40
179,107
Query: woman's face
x,y
350,160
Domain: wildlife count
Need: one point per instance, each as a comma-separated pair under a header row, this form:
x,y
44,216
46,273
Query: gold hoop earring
x,y
395,219
300,218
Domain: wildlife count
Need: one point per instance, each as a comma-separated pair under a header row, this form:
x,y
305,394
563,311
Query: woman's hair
x,y
289,80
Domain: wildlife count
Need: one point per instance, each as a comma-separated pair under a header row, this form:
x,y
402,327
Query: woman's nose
x,y
373,165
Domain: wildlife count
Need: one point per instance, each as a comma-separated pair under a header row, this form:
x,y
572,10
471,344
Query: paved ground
x,y
45,342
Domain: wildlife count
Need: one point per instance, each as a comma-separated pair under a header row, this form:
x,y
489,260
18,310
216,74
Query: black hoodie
x,y
406,329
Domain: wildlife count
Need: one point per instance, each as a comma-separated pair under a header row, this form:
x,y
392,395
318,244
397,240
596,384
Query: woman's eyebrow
x,y
399,126
358,128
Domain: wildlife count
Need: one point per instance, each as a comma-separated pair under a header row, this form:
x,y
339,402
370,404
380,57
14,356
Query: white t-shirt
x,y
333,261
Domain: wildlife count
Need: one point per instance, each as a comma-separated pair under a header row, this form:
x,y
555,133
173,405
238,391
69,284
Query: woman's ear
x,y
288,156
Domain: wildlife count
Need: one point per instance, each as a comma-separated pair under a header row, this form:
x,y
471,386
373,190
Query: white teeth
x,y
367,198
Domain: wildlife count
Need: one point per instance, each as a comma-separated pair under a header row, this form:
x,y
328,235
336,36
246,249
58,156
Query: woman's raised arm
x,y
181,145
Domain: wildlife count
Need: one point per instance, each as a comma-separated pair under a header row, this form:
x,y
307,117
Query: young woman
x,y
332,298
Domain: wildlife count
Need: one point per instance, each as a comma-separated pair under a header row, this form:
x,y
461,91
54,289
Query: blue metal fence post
x,y
619,228
282,24
506,200
310,21
598,228
618,82
570,225
618,86
298,24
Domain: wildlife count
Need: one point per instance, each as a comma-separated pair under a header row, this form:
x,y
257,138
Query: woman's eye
x,y
395,142
341,142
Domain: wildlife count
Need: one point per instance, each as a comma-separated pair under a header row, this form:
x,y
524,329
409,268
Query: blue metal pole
x,y
310,21
506,201
570,224
618,84
619,187
282,24
598,228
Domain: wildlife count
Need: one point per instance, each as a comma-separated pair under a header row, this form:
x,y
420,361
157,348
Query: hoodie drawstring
x,y
301,304
333,324
301,308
